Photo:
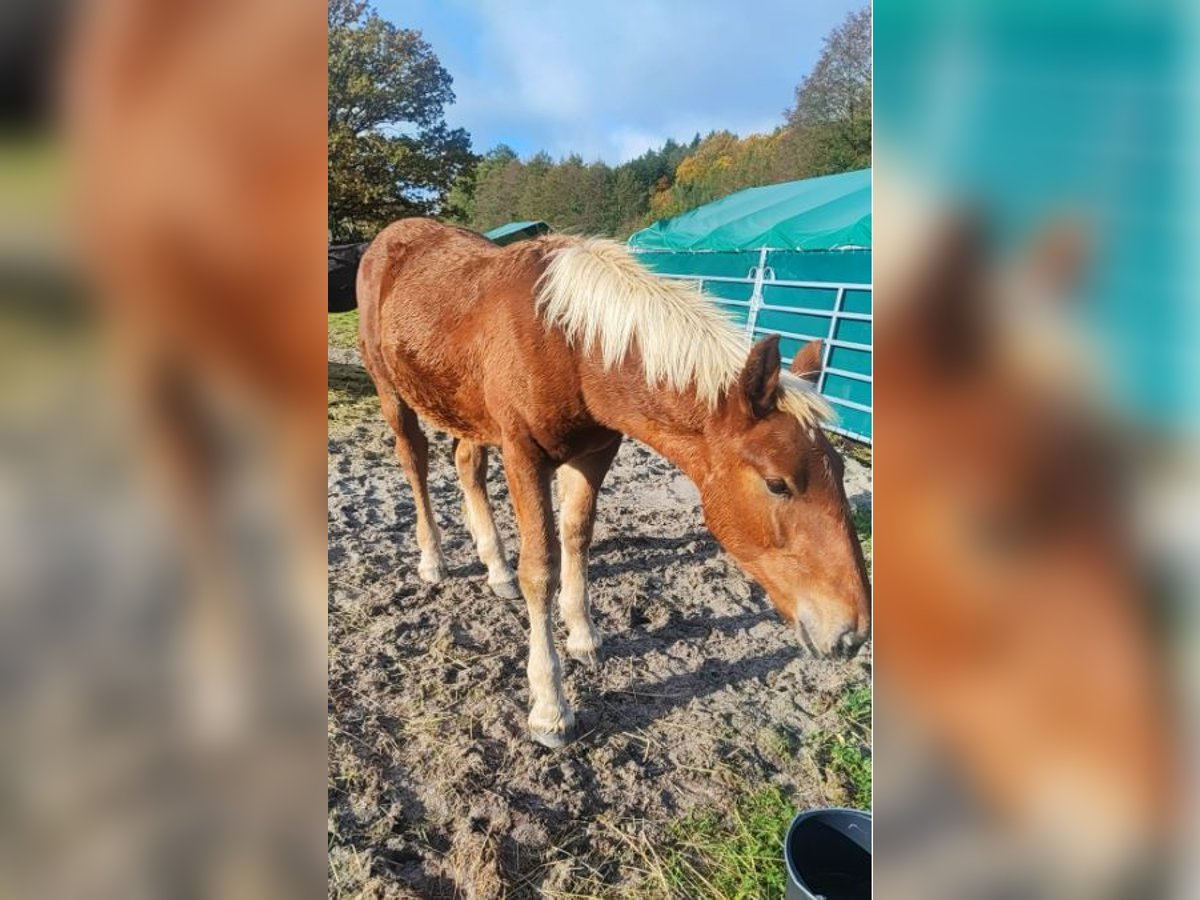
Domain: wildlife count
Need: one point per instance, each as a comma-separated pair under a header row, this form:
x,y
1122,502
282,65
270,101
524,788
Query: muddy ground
x,y
702,694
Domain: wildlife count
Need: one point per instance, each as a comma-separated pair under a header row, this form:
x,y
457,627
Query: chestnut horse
x,y
552,349
1020,638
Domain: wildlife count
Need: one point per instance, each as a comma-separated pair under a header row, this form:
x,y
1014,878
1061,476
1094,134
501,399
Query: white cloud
x,y
612,80
629,143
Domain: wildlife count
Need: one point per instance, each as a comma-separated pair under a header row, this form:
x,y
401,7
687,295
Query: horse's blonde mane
x,y
603,299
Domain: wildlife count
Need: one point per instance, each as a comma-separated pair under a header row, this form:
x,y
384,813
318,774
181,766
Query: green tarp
x,y
791,259
828,213
516,231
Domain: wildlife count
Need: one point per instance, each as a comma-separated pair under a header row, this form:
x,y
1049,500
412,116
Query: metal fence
x,y
798,310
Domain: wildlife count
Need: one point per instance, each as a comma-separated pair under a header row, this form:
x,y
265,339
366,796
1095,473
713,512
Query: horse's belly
x,y
443,401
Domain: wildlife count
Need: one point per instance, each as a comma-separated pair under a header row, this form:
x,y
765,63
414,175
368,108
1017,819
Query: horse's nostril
x,y
847,645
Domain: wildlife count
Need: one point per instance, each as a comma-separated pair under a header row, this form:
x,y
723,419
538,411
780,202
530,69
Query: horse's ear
x,y
807,363
759,380
951,311
1056,261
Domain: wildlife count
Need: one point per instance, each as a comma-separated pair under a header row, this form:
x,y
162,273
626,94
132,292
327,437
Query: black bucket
x,y
828,855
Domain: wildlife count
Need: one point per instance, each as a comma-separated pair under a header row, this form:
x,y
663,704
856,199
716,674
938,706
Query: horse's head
x,y
773,496
1019,605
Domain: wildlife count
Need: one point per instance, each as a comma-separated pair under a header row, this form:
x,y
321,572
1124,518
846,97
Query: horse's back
x,y
437,304
419,277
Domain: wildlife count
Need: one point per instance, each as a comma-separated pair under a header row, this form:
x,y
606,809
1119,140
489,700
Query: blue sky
x,y
612,79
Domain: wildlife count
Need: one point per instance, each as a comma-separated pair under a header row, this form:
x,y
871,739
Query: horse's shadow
x,y
647,553
621,554
604,716
659,697
606,711
635,641
632,640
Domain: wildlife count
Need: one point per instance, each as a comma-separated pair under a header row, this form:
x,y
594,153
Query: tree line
x,y
391,154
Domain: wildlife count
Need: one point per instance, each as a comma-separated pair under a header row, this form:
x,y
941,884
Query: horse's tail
x,y
368,290
381,264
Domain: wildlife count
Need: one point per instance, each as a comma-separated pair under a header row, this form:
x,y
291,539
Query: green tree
x,y
534,203
462,204
828,130
499,182
599,199
630,198
391,153
563,197
591,198
830,124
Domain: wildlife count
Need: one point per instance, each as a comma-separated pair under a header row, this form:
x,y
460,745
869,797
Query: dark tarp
x,y
343,271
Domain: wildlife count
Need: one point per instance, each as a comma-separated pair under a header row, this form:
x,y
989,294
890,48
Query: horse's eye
x,y
778,487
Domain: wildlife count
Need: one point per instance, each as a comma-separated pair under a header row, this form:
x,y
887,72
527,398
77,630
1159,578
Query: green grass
x,y
352,396
843,754
738,852
735,853
847,447
343,329
855,708
862,526
33,182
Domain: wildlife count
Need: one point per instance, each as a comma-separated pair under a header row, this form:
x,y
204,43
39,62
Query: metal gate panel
x,y
748,287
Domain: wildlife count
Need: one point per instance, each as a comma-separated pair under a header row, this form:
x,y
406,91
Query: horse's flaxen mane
x,y
602,298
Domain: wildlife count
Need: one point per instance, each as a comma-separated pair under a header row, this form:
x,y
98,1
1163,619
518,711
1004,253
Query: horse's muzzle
x,y
848,643
843,645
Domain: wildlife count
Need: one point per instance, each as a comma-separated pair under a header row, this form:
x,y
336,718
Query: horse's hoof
x,y
589,657
430,574
554,739
505,590
587,650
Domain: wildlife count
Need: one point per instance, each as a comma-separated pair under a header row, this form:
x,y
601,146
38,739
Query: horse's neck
x,y
670,422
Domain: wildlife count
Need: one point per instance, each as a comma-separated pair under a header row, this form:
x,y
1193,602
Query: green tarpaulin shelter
x,y
516,231
791,259
828,213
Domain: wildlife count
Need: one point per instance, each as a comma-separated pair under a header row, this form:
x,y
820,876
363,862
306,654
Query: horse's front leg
x,y
579,484
551,721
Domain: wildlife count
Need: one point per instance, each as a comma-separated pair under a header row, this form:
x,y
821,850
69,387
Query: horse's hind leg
x,y
471,460
412,448
578,483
